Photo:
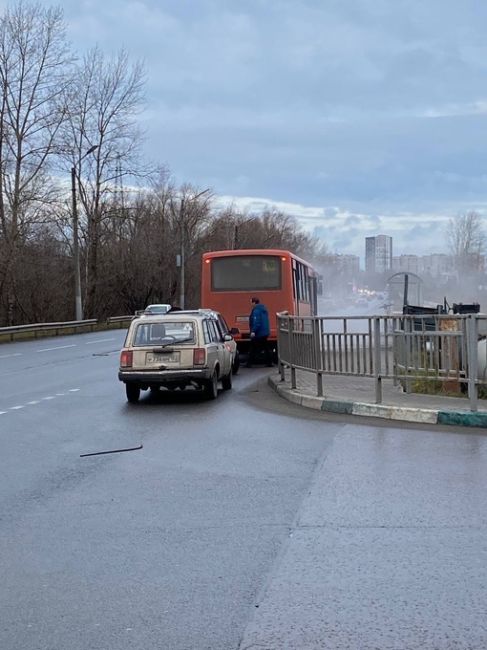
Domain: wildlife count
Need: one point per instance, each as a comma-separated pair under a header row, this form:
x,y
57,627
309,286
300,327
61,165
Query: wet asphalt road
x,y
244,522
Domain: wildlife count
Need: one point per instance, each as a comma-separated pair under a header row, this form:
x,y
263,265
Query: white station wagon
x,y
176,350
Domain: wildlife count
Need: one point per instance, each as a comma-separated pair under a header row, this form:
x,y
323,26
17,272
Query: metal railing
x,y
39,330
413,350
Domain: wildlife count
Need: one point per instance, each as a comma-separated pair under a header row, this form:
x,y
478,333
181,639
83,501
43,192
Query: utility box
x,y
467,308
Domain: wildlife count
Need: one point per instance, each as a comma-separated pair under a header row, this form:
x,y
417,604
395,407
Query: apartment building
x,y
378,253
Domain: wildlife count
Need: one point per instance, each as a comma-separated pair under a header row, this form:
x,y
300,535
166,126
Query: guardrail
x,y
411,350
40,330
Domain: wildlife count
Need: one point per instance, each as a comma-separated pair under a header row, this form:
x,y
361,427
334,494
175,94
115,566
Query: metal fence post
x,y
472,361
291,353
318,355
377,362
282,372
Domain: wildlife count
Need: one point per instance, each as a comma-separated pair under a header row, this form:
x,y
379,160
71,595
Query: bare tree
x,y
466,240
101,119
34,72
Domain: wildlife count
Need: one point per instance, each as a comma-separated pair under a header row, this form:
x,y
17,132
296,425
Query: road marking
x,y
99,341
38,401
60,347
14,354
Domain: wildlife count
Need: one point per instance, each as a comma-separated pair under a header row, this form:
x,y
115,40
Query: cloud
x,y
344,232
374,112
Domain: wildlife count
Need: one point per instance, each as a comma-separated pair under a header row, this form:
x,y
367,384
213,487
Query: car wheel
x,y
227,381
236,363
133,392
211,386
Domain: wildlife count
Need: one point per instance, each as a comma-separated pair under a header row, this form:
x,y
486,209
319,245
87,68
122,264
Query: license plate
x,y
153,358
242,319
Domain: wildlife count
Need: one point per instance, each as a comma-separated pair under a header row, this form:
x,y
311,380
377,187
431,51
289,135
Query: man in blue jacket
x,y
259,331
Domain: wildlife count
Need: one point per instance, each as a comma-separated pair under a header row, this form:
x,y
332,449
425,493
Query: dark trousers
x,y
259,348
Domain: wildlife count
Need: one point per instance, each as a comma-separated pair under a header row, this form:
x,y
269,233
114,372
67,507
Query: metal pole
x,y
377,362
317,330
181,219
472,361
291,353
77,274
182,278
405,300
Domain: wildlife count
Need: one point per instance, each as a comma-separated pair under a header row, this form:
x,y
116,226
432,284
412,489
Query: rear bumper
x,y
163,376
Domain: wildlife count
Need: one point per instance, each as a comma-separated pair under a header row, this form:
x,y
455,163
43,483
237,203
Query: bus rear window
x,y
246,273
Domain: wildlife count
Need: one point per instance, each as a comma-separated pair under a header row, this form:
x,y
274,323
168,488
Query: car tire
x,y
227,381
236,363
133,392
211,386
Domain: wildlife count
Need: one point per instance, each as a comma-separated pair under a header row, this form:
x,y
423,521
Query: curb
x,y
401,413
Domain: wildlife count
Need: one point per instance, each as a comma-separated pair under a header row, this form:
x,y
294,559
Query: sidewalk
x,y
354,395
388,549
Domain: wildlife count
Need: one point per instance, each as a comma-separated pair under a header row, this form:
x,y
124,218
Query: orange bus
x,y
281,280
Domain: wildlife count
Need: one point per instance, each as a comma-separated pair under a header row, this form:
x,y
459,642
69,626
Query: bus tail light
x,y
199,357
126,358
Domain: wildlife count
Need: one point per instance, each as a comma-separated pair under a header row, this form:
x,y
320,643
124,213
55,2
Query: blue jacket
x,y
259,321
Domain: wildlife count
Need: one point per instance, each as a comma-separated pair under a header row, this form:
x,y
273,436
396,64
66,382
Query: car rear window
x,y
164,333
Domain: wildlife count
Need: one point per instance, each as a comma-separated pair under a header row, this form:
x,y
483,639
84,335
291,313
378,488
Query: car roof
x,y
199,312
173,316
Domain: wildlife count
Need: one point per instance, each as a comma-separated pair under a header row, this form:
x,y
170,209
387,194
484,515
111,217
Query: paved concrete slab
x,y
389,550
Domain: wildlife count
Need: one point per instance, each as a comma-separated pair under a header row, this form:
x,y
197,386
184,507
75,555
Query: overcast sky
x,y
362,117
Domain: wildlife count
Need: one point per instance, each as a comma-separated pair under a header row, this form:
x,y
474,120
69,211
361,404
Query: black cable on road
x,y
111,451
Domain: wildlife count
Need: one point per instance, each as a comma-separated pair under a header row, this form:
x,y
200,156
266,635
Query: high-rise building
x,y
406,263
378,253
437,264
346,265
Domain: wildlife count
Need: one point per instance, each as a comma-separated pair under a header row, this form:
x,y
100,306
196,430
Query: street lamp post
x,y
182,254
77,273
182,297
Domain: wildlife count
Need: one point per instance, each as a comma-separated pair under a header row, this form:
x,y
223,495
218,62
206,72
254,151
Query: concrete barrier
x,y
42,330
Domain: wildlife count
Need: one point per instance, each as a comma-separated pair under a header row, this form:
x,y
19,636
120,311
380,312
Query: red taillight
x,y
126,358
199,357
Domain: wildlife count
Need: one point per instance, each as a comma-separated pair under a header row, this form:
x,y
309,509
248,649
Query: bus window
x,y
297,282
314,294
246,273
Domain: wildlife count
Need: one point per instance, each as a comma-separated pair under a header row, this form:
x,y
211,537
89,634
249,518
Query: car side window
x,y
211,327
223,325
215,332
220,330
206,332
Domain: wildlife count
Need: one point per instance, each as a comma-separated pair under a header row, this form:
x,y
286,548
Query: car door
x,y
231,345
226,350
221,351
213,347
